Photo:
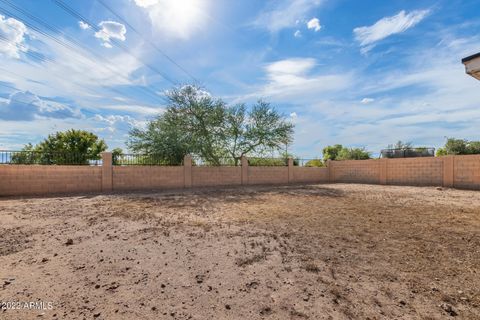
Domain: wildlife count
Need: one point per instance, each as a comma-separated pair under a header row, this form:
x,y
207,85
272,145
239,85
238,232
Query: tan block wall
x,y
267,175
216,176
358,171
415,171
37,179
147,177
312,175
466,172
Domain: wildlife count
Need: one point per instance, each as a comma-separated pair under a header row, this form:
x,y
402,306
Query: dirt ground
x,y
296,252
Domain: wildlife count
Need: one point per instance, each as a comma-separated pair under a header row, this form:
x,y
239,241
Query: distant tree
x,y
353,154
261,130
331,152
458,147
26,156
339,152
441,152
196,123
116,155
314,163
71,146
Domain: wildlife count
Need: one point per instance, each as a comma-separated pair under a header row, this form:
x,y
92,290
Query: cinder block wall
x,y
415,171
147,177
37,179
216,176
358,171
267,175
310,175
466,172
449,171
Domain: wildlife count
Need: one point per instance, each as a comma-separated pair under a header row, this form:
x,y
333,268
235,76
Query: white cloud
x,y
293,80
83,25
314,24
297,34
137,109
107,45
111,30
177,19
285,14
385,27
12,37
367,100
25,106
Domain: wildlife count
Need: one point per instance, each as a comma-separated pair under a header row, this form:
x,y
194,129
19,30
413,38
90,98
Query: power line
x,y
61,112
77,15
147,40
37,56
68,44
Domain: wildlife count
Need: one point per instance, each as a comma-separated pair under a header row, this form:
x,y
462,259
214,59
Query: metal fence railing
x,y
69,158
268,162
217,162
143,160
407,153
47,158
316,162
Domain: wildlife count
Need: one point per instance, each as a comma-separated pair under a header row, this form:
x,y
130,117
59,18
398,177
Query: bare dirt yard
x,y
296,252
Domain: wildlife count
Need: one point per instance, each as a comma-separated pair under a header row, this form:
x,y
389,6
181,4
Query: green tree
x,y
314,163
117,154
69,147
441,152
258,131
353,154
459,146
331,152
456,146
199,124
26,156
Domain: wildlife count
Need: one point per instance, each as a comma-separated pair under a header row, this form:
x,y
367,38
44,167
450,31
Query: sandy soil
x,y
297,252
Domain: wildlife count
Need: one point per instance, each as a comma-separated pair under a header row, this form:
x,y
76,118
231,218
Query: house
x,y
472,65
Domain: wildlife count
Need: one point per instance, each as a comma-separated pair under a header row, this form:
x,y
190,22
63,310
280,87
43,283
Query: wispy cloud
x,y
25,106
368,36
285,14
12,37
294,79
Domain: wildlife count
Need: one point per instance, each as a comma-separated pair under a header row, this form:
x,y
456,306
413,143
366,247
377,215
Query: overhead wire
x,y
68,45
153,45
61,4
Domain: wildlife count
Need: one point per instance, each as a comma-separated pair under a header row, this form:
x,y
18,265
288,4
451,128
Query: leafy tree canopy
x,y
339,152
331,152
459,146
69,147
199,124
314,163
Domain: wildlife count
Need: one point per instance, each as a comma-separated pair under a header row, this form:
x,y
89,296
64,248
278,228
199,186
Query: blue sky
x,y
360,73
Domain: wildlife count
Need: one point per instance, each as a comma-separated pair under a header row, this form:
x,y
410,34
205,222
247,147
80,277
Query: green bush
x,y
314,163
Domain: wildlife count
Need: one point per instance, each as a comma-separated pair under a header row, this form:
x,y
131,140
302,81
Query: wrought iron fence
x,y
143,160
217,162
268,162
315,162
47,158
407,153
